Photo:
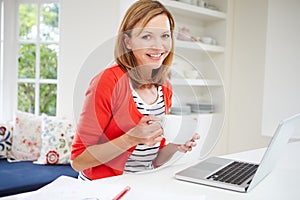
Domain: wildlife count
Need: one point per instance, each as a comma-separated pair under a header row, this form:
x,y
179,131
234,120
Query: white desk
x,y
283,183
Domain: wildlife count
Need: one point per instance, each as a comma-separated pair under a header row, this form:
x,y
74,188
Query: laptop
x,y
236,175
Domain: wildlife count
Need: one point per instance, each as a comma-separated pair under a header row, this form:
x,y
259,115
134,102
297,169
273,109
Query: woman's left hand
x,y
188,146
168,151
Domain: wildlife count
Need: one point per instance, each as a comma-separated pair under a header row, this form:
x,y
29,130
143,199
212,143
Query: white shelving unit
x,y
207,59
201,13
199,46
196,82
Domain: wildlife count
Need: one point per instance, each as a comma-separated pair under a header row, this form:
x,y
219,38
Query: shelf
x,y
195,82
199,46
195,11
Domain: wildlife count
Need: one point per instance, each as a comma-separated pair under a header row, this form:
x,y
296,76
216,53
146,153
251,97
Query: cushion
x,y
57,136
26,141
6,130
19,177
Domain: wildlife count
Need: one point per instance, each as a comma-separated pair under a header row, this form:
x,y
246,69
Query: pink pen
x,y
122,193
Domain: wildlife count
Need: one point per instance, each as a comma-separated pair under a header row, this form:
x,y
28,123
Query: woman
x,y
119,130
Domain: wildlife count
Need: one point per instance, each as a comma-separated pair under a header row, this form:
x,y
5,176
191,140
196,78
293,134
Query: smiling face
x,y
152,44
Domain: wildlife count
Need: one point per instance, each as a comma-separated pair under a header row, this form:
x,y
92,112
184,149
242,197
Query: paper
x,y
68,188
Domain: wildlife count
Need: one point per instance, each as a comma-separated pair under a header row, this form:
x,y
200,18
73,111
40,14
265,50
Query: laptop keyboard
x,y
234,173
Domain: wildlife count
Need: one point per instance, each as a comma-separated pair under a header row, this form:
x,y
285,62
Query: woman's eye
x,y
166,36
146,37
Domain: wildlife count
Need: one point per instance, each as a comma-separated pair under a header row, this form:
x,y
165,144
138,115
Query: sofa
x,y
34,151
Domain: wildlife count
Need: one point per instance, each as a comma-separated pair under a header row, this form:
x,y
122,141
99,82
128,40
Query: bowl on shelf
x,y
201,107
181,110
209,40
191,2
191,74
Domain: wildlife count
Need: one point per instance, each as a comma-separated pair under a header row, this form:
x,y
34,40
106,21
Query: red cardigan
x,y
108,112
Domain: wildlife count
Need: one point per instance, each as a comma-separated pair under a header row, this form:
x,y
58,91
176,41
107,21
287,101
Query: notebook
x,y
236,175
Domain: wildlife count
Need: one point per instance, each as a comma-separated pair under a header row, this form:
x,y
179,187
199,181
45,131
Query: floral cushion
x,y
6,130
26,141
57,136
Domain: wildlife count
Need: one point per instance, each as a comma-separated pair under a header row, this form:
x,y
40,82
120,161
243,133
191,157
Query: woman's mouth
x,y
156,56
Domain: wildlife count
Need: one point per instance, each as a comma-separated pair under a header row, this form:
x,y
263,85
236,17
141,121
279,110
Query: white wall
x,y
247,75
85,24
282,83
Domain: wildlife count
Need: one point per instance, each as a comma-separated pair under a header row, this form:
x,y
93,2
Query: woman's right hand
x,y
148,131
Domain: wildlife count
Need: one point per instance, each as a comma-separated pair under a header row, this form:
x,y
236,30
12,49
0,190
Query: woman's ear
x,y
127,40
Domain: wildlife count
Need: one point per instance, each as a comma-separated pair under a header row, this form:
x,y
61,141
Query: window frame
x,y
8,61
9,58
1,56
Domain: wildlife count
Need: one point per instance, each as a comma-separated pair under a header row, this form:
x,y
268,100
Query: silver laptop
x,y
236,175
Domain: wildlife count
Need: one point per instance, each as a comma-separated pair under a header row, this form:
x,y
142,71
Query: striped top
x,y
142,157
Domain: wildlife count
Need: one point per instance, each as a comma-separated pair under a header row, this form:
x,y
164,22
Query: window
x,y
38,51
29,51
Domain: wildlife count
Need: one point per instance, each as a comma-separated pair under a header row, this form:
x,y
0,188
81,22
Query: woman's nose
x,y
157,43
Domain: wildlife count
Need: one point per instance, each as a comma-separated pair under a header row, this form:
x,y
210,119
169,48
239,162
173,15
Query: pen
x,y
122,193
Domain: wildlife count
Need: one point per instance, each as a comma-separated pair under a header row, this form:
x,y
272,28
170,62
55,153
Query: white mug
x,y
179,129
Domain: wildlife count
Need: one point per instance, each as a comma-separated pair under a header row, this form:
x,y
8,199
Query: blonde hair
x,y
142,12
